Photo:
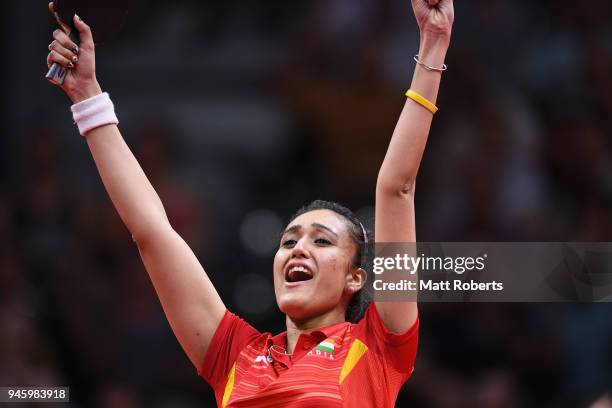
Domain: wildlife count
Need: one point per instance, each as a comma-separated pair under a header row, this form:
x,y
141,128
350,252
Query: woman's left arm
x,y
397,176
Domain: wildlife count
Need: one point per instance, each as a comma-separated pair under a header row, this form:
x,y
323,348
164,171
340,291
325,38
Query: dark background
x,y
242,111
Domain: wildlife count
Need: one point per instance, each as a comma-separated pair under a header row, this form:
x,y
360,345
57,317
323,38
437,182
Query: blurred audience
x,y
521,150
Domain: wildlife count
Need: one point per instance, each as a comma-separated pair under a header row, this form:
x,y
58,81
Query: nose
x,y
300,250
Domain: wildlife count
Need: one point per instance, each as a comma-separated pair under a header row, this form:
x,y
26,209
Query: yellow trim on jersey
x,y
355,353
229,386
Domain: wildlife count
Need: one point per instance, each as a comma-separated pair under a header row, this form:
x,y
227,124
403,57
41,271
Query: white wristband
x,y
94,112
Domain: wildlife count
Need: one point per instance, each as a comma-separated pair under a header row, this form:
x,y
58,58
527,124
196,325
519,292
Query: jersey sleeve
x,y
399,350
232,335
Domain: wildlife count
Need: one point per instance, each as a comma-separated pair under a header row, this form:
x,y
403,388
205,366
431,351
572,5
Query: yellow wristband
x,y
421,100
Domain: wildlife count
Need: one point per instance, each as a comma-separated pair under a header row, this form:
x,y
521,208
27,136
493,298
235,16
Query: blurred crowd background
x,y
242,111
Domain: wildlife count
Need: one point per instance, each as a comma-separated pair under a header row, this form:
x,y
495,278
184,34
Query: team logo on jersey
x,y
324,349
261,362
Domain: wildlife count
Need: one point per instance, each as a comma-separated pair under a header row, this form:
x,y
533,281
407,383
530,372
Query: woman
x,y
322,359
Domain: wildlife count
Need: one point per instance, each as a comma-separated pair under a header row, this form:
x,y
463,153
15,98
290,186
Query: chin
x,y
296,306
291,304
300,308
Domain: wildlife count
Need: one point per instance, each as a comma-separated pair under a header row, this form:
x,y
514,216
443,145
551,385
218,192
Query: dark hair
x,y
361,299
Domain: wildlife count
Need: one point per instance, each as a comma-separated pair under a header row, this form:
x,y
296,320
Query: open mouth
x,y
298,274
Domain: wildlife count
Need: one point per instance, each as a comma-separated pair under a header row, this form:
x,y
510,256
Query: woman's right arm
x,y
191,303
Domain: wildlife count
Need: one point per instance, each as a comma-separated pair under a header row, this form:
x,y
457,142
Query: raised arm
x,y
396,182
190,301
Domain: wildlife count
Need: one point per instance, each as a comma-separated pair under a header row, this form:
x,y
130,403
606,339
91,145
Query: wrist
x,y
85,91
94,112
432,49
430,42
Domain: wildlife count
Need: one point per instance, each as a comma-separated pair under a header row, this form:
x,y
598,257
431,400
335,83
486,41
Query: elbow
x,y
140,238
143,235
399,186
147,222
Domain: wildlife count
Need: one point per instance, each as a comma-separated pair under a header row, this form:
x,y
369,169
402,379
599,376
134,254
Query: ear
x,y
355,280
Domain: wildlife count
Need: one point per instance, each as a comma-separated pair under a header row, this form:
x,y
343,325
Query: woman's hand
x,y
80,62
434,17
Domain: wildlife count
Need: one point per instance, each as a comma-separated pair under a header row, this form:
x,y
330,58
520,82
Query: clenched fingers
x,y
62,38
63,51
56,57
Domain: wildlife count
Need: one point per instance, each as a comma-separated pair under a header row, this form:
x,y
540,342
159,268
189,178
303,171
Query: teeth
x,y
298,273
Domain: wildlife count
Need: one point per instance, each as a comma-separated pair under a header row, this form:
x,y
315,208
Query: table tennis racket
x,y
106,18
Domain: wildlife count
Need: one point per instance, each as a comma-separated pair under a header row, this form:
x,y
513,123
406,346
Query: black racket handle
x,y
57,73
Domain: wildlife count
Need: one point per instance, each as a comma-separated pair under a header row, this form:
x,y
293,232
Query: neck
x,y
295,327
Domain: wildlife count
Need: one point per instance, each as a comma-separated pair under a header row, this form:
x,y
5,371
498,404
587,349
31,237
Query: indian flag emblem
x,y
326,345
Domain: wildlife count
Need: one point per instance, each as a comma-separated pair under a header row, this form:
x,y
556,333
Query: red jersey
x,y
342,365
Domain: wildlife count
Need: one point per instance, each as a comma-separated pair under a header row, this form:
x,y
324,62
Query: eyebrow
x,y
314,224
